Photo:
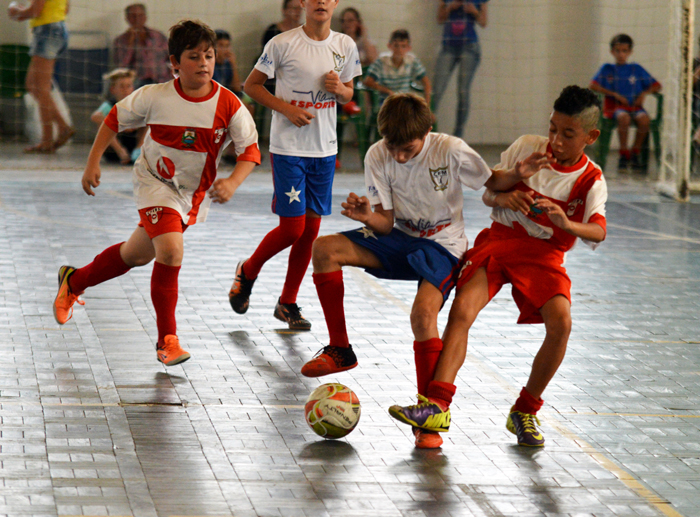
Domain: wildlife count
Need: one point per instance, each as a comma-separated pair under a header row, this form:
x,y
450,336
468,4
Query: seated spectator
x,y
395,71
625,86
351,24
225,70
143,49
127,146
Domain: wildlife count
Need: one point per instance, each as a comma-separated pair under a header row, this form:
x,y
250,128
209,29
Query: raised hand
x,y
356,208
533,163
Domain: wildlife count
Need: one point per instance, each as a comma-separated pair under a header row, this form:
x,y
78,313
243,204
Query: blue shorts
x,y
634,113
409,258
302,183
49,40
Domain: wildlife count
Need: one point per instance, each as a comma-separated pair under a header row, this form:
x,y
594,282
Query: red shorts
x,y
532,266
157,220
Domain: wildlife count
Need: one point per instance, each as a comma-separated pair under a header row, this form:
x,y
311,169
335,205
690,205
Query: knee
x,y
643,122
463,310
325,251
423,319
623,120
559,327
170,256
137,261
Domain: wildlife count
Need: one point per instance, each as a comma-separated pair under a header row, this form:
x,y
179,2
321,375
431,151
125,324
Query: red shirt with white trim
x,y
185,141
580,190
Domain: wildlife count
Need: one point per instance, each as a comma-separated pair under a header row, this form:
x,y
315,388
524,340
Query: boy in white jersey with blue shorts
x,y
313,67
414,230
191,120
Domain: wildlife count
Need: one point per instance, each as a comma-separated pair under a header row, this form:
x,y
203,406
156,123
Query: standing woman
x,y
351,24
460,46
49,39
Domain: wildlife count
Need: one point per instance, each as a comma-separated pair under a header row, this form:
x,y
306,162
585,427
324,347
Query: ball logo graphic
x,y
166,168
332,410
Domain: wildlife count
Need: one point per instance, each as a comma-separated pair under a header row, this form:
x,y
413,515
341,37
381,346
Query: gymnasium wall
x,y
530,48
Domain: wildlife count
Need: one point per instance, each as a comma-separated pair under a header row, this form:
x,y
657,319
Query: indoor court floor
x,y
92,424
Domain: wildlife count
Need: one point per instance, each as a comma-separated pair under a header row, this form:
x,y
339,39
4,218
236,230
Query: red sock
x,y
286,234
299,258
526,403
442,393
331,292
426,355
625,153
164,297
105,266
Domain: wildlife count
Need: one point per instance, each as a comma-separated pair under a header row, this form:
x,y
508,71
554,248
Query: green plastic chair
x,y
14,62
608,125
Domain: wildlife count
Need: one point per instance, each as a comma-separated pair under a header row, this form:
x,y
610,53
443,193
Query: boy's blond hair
x,y
404,117
118,73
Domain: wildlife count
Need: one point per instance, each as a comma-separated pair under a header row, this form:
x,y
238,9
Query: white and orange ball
x,y
332,410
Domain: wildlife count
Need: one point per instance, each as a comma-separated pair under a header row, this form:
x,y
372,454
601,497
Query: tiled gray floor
x,y
92,424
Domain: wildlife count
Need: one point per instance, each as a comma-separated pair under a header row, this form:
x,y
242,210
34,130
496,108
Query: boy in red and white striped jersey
x,y
191,120
535,223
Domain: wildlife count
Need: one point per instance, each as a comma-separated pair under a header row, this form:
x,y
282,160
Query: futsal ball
x,y
332,410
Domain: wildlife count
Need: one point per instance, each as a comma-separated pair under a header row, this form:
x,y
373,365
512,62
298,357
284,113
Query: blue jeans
x,y
468,59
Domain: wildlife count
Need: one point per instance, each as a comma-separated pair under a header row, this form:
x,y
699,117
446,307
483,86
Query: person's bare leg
x,y
623,126
38,82
468,302
557,320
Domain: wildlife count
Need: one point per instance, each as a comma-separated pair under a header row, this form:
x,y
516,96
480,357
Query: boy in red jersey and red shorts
x,y
191,121
314,68
535,223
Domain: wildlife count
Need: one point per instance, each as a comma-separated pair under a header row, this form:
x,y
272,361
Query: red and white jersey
x,y
299,66
425,193
580,191
184,143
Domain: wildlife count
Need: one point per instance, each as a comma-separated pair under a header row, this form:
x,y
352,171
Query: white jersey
x,y
580,190
425,193
184,144
299,65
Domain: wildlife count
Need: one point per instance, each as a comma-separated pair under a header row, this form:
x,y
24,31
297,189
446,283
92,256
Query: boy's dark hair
x,y
285,3
621,39
189,34
581,103
400,35
222,34
403,118
142,6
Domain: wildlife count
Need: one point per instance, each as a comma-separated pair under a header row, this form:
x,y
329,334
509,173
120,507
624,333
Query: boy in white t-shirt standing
x,y
191,120
313,67
414,230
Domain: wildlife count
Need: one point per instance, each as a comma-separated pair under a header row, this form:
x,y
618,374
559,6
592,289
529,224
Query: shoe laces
x,y
334,352
529,423
293,311
245,285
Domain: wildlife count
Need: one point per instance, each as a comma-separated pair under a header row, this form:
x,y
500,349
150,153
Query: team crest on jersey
x,y
339,62
571,209
154,214
189,137
440,178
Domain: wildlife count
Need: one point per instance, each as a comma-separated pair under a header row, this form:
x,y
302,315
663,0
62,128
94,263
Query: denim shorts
x,y
49,40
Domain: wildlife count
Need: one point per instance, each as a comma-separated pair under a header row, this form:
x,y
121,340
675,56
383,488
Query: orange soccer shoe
x,y
330,359
65,299
170,352
427,439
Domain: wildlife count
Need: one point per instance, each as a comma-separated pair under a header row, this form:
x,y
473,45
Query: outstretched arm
x,y
358,209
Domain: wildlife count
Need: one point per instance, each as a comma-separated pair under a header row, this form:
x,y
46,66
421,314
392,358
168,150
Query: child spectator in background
x,y
625,86
393,72
225,71
127,146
